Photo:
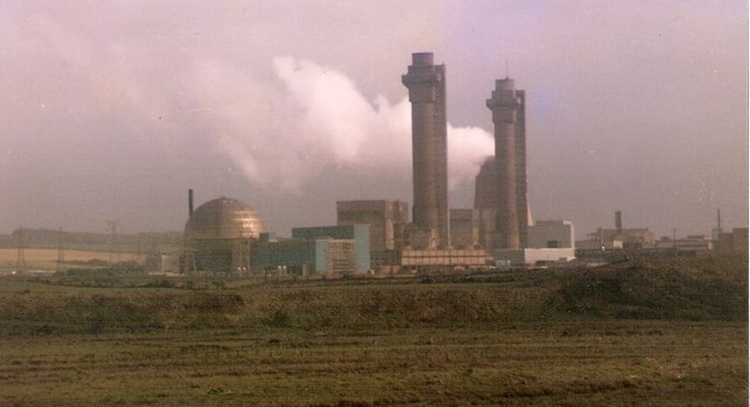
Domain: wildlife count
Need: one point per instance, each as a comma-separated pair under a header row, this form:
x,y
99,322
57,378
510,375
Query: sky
x,y
112,110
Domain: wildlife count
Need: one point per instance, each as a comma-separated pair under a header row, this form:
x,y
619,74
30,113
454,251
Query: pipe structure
x,y
505,105
426,84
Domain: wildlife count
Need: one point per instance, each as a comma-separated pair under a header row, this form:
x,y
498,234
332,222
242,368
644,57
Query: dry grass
x,y
558,339
575,364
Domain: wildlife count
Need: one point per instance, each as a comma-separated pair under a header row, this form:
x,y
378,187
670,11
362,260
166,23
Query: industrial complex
x,y
226,236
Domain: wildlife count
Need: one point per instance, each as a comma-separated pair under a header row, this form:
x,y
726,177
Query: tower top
x,y
422,58
505,84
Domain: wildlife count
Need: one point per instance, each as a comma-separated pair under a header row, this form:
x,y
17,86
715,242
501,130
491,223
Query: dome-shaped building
x,y
220,236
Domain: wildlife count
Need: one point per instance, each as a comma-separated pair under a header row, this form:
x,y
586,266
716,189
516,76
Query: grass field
x,y
621,363
606,337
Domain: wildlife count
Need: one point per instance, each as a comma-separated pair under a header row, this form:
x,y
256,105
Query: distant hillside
x,y
134,243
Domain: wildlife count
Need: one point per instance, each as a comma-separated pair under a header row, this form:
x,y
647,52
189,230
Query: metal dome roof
x,y
224,218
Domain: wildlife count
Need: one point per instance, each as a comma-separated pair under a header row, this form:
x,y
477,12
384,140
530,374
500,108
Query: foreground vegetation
x,y
668,333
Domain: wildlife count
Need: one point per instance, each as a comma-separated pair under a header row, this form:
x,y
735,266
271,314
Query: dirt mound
x,y
692,289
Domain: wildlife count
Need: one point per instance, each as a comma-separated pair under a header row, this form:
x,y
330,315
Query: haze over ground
x,y
112,110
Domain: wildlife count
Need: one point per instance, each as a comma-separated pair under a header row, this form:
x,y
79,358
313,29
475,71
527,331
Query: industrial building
x,y
386,219
377,233
329,250
427,259
220,236
549,241
465,226
733,242
358,235
610,243
226,236
618,238
698,244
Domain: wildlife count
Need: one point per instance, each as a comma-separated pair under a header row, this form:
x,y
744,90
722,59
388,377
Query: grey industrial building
x,y
226,236
619,237
387,221
327,250
465,227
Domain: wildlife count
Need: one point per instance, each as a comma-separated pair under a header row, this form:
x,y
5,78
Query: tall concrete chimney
x,y
190,203
618,221
505,106
426,84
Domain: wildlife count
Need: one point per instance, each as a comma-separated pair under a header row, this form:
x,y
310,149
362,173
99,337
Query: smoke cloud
x,y
315,115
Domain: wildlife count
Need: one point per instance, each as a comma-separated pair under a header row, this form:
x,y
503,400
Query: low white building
x,y
531,257
547,241
551,234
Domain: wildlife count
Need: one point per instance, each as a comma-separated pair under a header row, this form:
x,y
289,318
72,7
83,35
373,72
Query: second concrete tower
x,y
508,114
426,84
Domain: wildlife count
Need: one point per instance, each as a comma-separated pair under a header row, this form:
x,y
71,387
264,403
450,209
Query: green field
x,y
656,334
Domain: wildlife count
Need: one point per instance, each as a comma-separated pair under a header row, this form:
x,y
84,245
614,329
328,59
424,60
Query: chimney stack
x,y
618,221
507,106
426,84
190,203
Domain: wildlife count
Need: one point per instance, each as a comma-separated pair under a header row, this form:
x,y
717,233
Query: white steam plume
x,y
319,117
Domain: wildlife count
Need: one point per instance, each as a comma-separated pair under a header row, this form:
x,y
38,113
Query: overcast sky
x,y
111,110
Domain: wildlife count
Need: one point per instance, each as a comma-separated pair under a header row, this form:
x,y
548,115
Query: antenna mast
x,y
21,267
113,224
718,219
60,249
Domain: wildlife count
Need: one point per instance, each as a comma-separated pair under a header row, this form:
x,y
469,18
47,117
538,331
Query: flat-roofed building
x,y
357,235
329,250
551,234
386,220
